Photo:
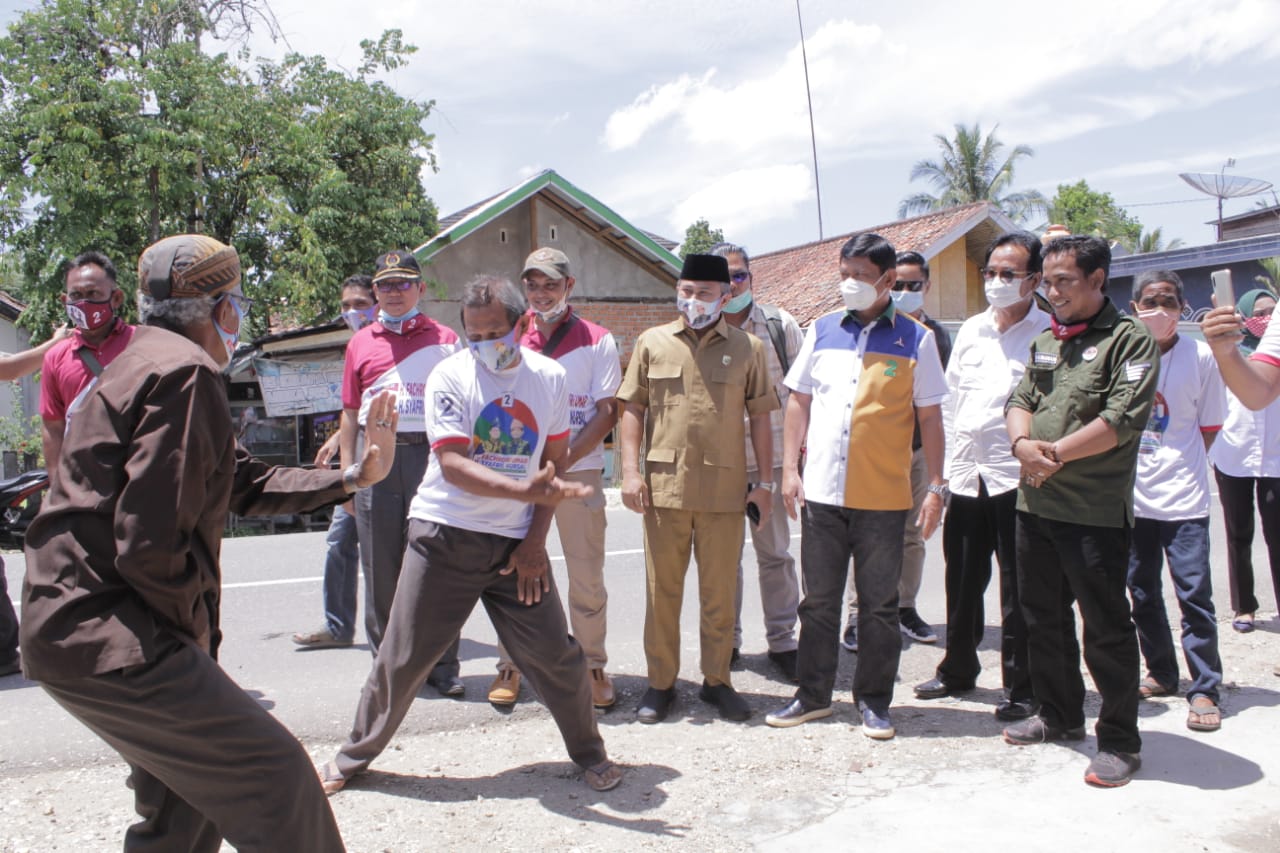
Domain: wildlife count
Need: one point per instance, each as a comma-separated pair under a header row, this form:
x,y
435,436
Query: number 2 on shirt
x,y
507,401
891,368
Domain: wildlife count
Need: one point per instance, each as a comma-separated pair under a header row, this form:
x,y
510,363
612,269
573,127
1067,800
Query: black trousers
x,y
8,622
207,761
975,528
1236,496
1060,564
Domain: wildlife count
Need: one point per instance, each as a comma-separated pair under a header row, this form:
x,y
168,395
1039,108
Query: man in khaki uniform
x,y
695,378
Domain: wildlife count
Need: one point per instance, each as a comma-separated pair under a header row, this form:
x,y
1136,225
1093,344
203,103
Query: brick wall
x,y
627,319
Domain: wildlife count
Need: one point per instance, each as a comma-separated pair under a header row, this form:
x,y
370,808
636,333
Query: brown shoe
x,y
602,695
505,689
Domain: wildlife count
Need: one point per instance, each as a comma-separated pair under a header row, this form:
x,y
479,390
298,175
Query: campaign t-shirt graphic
x,y
504,436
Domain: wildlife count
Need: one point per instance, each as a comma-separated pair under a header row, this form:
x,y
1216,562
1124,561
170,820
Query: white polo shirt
x,y
986,365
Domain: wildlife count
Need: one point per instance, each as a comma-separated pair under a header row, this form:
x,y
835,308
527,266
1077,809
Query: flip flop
x,y
1203,715
331,780
1149,687
1243,623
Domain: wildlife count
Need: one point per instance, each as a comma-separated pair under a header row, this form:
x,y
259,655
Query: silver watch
x,y
767,486
940,489
351,478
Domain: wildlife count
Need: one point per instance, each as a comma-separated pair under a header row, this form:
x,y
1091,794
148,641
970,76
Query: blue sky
x,y
670,111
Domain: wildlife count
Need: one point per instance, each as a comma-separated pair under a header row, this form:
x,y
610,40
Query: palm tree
x,y
1153,241
970,170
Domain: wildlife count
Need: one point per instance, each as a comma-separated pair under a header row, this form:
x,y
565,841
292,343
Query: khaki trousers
x,y
716,542
581,524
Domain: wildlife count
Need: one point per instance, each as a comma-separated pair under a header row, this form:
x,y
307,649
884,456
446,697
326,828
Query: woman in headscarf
x,y
1246,460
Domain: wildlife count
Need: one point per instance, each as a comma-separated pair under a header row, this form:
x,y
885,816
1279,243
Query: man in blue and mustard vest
x,y
864,376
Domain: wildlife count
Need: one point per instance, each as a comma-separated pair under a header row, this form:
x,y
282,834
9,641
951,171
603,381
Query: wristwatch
x,y
939,489
351,478
768,487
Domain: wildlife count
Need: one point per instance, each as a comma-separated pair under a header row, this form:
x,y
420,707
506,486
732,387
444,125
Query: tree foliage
x,y
971,169
1085,211
699,238
116,128
1153,241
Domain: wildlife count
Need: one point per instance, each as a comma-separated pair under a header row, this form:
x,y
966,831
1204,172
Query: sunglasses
x,y
913,286
395,285
242,304
739,277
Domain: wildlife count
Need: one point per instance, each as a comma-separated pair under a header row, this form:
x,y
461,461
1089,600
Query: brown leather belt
x,y
411,438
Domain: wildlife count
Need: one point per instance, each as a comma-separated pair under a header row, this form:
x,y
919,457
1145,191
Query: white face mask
x,y
698,314
497,355
555,312
907,302
858,295
1001,294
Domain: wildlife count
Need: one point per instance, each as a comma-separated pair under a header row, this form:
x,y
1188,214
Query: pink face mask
x,y
1257,326
1159,322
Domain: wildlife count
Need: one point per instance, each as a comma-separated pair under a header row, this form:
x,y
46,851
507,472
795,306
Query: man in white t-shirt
x,y
1171,506
589,356
477,532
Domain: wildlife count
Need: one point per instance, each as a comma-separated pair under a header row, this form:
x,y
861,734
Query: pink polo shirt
x,y
64,374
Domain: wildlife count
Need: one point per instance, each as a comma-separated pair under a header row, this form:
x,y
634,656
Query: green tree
x,y
699,238
1153,241
1085,211
971,169
1271,266
117,128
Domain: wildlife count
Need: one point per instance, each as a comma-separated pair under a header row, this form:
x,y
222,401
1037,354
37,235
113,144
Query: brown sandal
x,y
1204,715
605,776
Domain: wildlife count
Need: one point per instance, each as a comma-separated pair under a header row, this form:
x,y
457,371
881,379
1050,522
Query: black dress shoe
x,y
795,713
735,659
655,705
786,662
1012,710
448,685
731,705
936,688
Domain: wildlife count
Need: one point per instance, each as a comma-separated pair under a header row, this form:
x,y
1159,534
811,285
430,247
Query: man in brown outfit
x,y
121,597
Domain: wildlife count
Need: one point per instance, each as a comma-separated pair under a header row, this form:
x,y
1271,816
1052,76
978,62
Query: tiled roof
x,y
803,279
10,306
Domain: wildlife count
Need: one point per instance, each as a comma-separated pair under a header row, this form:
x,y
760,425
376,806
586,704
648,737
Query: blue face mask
x,y
497,355
741,302
395,324
231,340
907,301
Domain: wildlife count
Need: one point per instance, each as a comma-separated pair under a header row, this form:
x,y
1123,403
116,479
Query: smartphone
x,y
753,513
1223,292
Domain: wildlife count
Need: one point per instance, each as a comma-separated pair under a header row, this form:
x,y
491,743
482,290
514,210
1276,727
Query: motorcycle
x,y
20,499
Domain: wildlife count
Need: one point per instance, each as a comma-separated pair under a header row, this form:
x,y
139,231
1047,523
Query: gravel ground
x,y
474,779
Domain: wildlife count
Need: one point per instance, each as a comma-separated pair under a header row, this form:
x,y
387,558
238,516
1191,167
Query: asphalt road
x,y
946,768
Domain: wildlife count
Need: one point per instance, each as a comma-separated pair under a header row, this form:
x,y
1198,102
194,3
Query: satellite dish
x,y
1222,185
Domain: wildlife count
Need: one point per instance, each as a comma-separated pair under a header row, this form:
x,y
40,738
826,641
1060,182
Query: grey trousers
x,y
446,571
382,523
779,586
207,761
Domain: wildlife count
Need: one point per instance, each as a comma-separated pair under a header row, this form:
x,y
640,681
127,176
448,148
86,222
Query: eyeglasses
x,y
395,285
1007,276
739,277
913,286
242,304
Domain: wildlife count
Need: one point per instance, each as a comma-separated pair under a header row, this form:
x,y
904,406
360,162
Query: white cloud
x,y
742,200
628,125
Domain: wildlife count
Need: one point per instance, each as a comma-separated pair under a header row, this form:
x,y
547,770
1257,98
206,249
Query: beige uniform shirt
x,y
695,392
